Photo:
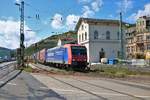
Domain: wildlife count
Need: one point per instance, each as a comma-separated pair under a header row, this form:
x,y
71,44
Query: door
x,y
101,54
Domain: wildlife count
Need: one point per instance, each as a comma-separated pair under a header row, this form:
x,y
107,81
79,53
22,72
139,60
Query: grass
x,y
98,71
51,42
115,71
62,71
28,69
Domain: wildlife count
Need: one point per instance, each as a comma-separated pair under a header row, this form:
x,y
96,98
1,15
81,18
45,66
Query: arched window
x,y
96,35
85,35
82,27
107,35
82,36
79,38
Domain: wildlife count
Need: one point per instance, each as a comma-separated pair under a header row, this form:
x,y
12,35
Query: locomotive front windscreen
x,y
78,50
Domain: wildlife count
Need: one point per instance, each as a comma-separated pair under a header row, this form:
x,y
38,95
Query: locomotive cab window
x,y
78,50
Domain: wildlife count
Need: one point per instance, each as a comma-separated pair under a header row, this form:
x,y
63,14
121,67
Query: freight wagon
x,y
42,56
69,55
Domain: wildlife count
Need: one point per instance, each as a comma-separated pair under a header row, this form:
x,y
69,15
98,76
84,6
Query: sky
x,y
58,16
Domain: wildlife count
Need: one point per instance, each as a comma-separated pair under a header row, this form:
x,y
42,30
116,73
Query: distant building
x,y
130,41
138,38
100,36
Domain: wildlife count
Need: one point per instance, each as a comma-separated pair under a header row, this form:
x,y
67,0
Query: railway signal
x,y
21,53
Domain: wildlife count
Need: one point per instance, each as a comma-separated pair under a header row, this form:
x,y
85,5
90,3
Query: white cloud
x,y
89,9
71,21
144,12
10,34
125,5
96,5
132,18
87,12
17,1
84,1
57,22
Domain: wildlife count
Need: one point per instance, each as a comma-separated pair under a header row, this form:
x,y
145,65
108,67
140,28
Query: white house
x,y
100,36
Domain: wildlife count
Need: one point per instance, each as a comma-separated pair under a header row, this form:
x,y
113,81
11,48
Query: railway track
x,y
98,86
7,68
84,90
101,87
129,84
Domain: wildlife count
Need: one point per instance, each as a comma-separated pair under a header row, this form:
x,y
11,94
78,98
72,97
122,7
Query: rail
x,y
6,68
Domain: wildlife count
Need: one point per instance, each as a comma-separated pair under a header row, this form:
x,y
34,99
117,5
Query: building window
x,y
107,35
82,27
148,23
82,36
127,49
79,38
118,54
96,35
148,47
85,35
118,35
148,37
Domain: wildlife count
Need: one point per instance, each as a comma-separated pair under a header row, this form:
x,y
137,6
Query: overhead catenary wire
x,y
37,17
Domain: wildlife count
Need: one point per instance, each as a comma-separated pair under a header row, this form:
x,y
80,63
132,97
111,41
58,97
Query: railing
x,y
6,68
139,41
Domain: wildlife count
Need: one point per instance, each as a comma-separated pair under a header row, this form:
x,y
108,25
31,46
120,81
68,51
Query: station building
x,y
101,38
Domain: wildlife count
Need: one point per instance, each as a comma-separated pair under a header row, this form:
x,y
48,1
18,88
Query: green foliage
x,y
6,52
120,74
116,71
28,69
140,56
67,37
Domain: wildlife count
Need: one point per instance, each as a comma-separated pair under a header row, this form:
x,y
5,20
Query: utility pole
x,y
21,53
121,33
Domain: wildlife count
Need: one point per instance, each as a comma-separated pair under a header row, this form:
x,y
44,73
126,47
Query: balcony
x,y
139,42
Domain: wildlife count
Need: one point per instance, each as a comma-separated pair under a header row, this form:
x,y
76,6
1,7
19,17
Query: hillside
x,y
5,52
67,37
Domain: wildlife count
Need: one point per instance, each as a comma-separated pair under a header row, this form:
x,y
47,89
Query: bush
x,y
139,56
28,69
121,74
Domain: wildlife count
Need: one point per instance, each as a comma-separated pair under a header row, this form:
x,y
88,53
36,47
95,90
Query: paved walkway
x,y
85,88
